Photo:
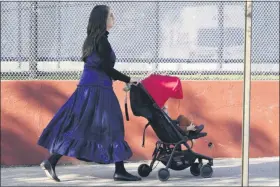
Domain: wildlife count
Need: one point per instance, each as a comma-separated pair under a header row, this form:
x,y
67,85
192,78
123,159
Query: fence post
x,y
59,34
19,46
157,35
246,95
221,33
33,41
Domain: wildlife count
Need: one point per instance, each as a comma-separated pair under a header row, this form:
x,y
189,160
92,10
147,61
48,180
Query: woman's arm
x,y
104,50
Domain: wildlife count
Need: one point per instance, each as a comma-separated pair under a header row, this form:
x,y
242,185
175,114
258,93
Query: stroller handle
x,y
127,89
128,86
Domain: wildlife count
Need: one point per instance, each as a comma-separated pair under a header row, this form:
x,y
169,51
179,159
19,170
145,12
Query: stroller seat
x,y
172,139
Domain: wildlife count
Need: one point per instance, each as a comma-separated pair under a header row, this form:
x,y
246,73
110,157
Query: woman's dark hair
x,y
96,29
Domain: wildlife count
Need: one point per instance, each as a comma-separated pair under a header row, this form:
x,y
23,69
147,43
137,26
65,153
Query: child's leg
x,y
187,125
184,122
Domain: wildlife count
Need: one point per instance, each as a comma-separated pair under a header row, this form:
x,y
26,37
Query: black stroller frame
x,y
164,152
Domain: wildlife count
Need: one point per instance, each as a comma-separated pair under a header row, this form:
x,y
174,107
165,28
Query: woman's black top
x,y
108,59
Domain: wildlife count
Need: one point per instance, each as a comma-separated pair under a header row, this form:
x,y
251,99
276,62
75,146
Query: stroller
x,y
147,99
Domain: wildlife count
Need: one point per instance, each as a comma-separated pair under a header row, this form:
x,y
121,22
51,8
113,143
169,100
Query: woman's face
x,y
110,20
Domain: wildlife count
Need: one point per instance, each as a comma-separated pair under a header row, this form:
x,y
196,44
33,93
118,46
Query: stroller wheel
x,y
144,170
206,171
163,174
194,169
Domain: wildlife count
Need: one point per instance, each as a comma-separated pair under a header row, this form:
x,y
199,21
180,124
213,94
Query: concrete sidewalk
x,y
263,172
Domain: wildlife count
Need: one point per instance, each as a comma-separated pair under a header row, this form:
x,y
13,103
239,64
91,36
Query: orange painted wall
x,y
27,107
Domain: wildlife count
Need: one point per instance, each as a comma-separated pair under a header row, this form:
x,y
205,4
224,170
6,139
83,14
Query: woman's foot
x,y
122,175
125,177
49,170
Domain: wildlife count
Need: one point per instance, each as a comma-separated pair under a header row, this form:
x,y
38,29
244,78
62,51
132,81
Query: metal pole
x,y
246,95
1,37
221,32
33,40
157,35
19,47
0,34
59,35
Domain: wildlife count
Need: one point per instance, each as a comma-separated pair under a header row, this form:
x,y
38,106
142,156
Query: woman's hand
x,y
126,88
127,85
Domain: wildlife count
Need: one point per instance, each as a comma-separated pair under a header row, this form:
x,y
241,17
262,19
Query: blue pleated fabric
x,y
89,126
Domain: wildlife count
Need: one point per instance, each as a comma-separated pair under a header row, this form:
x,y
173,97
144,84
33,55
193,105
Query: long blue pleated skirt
x,y
89,127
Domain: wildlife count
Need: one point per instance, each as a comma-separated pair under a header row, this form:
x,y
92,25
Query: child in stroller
x,y
188,126
147,99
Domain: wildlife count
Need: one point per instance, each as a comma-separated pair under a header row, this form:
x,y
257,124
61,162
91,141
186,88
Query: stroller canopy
x,y
163,87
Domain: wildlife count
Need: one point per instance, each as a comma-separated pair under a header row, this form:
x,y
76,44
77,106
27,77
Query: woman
x,y
90,126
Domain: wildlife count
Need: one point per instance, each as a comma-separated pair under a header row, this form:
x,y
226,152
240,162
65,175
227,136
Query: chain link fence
x,y
192,40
